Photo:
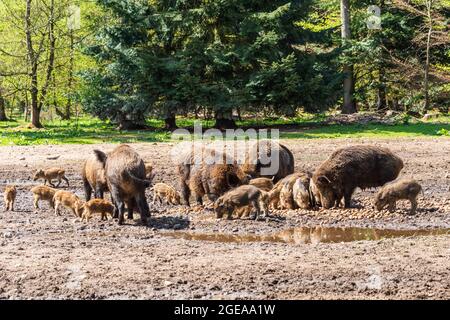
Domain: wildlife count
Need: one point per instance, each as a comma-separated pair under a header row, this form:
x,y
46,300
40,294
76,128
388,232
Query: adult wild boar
x,y
268,159
208,172
94,179
351,167
126,180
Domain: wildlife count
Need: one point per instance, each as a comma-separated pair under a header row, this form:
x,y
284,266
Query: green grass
x,y
89,131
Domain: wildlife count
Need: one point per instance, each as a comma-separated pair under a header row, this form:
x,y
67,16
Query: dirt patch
x,y
45,256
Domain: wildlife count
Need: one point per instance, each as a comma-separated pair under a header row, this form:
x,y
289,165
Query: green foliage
x,y
162,57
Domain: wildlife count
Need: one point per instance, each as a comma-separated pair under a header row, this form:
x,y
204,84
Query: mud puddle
x,y
305,235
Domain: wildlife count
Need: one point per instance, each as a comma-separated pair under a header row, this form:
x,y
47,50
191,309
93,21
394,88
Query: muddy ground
x,y
44,256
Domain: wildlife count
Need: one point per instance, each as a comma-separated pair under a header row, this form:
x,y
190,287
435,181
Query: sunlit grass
x,y
91,130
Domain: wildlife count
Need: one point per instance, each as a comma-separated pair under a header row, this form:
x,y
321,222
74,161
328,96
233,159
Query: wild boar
x,y
68,200
295,192
51,174
302,194
210,173
264,184
247,210
10,197
259,159
162,191
214,180
285,199
149,174
241,197
94,179
99,206
43,193
351,167
401,189
126,179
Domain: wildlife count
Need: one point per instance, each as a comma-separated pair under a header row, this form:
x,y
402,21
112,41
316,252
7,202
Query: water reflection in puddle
x,y
308,235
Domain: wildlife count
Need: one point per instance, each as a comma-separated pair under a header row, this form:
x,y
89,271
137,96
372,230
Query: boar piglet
x,y
51,174
241,197
10,197
43,193
401,189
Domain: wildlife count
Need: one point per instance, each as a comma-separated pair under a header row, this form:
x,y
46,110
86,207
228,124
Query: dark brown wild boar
x,y
126,179
94,179
210,173
351,167
259,158
401,189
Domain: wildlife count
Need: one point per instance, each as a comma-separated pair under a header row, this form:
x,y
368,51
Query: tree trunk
x,y
427,62
170,123
224,120
70,81
349,105
34,91
51,55
381,94
2,108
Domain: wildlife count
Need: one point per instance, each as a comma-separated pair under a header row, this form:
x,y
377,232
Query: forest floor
x,y
44,256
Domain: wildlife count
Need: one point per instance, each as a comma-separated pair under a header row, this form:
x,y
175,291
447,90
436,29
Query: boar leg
x,y
66,180
36,202
348,197
143,207
121,207
130,205
117,201
413,206
257,207
391,207
99,194
199,200
57,209
185,192
87,190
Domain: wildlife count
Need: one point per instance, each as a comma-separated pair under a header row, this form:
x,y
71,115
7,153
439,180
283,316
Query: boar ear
x,y
324,180
101,156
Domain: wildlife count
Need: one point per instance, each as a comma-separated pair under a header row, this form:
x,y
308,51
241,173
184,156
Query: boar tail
x,y
141,182
101,156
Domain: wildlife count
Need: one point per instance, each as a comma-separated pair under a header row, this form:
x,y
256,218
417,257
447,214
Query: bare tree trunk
x,y
349,103
35,110
170,122
2,107
51,55
70,82
381,94
224,120
427,62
